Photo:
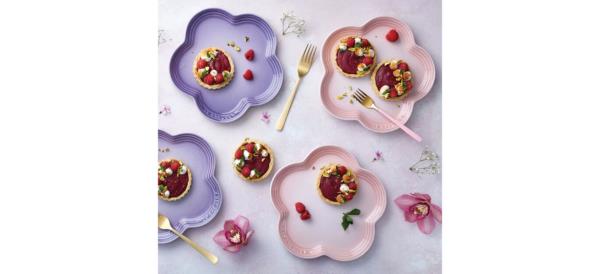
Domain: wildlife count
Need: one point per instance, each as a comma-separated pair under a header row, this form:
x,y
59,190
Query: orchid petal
x,y
410,217
233,248
243,223
248,236
422,197
221,239
229,225
426,225
436,212
405,201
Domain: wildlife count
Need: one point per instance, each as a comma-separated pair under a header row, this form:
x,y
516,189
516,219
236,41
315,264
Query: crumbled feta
x,y
246,154
182,170
258,146
214,72
362,67
167,194
264,153
371,53
344,188
384,89
359,52
238,162
169,171
252,173
343,46
357,40
205,58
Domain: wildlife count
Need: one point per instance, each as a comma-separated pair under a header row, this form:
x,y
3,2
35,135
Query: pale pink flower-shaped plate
x,y
334,83
323,234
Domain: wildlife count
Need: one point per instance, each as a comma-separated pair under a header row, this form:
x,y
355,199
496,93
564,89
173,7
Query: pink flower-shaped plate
x,y
323,234
334,83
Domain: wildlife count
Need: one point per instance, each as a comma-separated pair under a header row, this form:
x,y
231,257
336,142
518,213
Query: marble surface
x,y
399,247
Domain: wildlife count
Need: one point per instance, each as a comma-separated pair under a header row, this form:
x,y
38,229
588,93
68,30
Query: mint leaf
x,y
345,224
355,211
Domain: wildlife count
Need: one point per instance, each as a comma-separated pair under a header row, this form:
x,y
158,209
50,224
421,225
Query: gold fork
x,y
304,64
163,223
367,102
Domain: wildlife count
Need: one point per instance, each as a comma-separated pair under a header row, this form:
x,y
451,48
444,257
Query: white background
x,y
520,139
308,126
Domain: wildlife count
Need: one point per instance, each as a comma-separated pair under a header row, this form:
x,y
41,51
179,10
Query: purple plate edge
x,y
245,103
213,210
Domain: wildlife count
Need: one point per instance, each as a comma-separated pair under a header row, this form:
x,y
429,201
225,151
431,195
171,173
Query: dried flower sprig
x,y
166,149
165,110
163,37
428,164
265,117
291,23
378,156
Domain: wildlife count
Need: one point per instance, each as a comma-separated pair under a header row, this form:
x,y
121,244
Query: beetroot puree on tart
x,y
173,179
392,79
253,160
337,184
213,68
355,56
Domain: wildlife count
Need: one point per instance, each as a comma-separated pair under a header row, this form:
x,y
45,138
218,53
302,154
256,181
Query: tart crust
x,y
334,56
319,185
187,188
374,85
271,163
195,70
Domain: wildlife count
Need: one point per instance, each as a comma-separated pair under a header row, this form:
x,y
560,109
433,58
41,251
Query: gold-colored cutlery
x,y
163,223
304,65
367,102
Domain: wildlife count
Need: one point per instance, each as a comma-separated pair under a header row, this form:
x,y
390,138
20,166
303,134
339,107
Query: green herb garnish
x,y
347,218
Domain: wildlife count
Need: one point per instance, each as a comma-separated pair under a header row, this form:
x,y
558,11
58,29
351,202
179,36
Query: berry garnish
x,y
164,164
249,55
409,85
305,215
219,79
238,154
174,165
201,64
392,35
300,208
368,60
208,79
350,42
342,170
250,147
246,171
403,66
365,42
393,93
352,185
349,196
248,75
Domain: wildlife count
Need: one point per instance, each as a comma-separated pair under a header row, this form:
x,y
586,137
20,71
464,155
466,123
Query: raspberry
x,y
250,147
409,85
201,64
342,170
305,215
208,79
249,55
350,42
300,208
349,196
174,165
164,164
219,79
365,42
368,60
248,75
392,35
403,66
393,93
238,154
246,171
352,185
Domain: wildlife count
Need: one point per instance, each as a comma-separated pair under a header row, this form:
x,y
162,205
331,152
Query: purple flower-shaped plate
x,y
203,201
215,28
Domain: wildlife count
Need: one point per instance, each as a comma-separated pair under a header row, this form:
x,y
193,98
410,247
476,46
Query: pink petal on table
x,y
436,212
243,223
422,197
248,236
233,248
426,225
229,224
405,201
221,240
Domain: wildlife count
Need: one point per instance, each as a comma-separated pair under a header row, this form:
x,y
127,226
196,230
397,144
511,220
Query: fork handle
x,y
288,105
402,126
211,257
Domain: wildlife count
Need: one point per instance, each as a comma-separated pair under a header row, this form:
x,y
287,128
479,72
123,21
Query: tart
x,y
213,68
174,179
253,160
392,80
354,56
336,184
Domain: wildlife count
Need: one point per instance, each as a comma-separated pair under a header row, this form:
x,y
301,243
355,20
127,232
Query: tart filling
x,y
213,68
253,160
392,80
174,179
354,56
336,184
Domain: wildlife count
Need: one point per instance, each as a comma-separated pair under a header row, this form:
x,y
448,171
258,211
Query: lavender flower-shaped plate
x,y
215,28
203,201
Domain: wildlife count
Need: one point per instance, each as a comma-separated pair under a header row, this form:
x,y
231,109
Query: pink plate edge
x,y
319,250
407,104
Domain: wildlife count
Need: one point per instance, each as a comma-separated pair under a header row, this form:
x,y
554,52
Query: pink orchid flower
x,y
235,234
418,208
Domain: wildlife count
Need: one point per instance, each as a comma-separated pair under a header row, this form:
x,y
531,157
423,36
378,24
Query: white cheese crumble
x,y
246,154
214,72
169,171
183,170
264,153
344,188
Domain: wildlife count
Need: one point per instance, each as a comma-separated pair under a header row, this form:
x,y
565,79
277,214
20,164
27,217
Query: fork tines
x,y
360,95
308,54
